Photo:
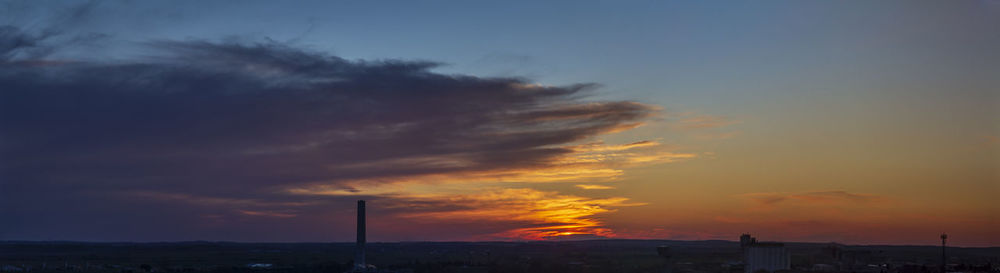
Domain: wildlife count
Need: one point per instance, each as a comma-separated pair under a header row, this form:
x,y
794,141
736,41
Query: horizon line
x,y
519,241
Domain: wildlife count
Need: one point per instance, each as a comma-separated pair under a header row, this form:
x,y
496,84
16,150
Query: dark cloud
x,y
232,125
57,33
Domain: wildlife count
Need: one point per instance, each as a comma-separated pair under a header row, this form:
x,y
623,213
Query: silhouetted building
x,y
359,251
832,252
763,256
746,240
664,252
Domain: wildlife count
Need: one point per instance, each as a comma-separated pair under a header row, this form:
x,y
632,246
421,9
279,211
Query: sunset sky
x,y
860,122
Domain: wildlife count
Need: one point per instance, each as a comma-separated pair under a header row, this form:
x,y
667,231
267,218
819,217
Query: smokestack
x,y
359,255
944,256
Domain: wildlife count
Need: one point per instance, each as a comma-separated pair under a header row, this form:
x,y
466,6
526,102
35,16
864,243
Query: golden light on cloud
x,y
595,187
601,147
546,214
590,162
593,161
484,196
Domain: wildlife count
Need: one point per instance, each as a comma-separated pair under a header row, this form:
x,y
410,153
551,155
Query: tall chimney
x,y
944,257
359,259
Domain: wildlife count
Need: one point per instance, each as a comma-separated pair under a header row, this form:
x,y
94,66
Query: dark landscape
x,y
569,256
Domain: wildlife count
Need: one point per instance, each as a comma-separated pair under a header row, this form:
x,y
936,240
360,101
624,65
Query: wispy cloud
x,y
594,187
268,213
702,121
812,197
601,147
591,162
702,126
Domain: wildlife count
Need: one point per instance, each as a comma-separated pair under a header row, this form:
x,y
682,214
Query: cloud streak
x,y
691,121
816,197
594,187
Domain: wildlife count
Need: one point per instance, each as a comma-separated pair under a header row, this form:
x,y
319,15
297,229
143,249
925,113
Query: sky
x,y
858,122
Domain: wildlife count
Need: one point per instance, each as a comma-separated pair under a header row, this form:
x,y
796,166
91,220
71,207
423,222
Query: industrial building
x,y
763,256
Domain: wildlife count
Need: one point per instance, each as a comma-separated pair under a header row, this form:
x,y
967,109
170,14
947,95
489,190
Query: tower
x,y
359,252
944,256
